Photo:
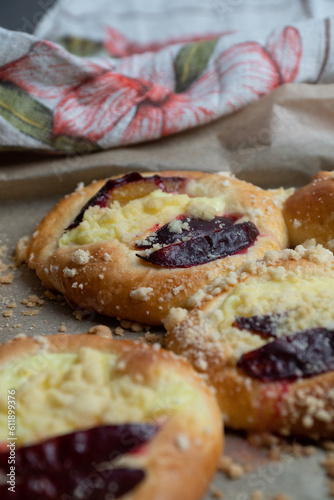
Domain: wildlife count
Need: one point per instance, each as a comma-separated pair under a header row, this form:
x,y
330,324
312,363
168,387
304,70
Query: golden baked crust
x,y
182,456
115,282
309,212
296,284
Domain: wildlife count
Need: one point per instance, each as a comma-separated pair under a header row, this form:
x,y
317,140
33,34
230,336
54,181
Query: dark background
x,y
22,15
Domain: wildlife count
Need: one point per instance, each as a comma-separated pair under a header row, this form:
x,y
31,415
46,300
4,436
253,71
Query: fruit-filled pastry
x,y
101,419
309,211
132,247
265,337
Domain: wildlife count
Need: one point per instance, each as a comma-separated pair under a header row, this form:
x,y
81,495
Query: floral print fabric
x,y
74,93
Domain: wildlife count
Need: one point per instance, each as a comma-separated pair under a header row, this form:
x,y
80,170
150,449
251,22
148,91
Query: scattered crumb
x,y
101,331
215,492
51,296
327,445
3,267
152,338
309,450
3,250
137,327
12,305
7,279
7,314
282,496
32,312
119,331
126,324
78,314
231,469
21,253
328,464
256,495
62,328
262,439
32,301
132,325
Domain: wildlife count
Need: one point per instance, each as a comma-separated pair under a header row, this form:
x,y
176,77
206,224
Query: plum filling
x,y
265,326
76,464
301,355
200,250
190,228
102,197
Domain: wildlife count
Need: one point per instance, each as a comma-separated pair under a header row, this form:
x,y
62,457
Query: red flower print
x,y
48,71
286,49
93,109
246,72
164,112
118,45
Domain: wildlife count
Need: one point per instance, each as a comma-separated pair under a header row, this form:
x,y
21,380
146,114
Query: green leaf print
x,y
191,61
78,145
80,46
26,114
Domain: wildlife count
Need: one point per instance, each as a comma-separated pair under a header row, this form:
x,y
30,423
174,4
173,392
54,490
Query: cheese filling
x,y
126,222
300,303
61,393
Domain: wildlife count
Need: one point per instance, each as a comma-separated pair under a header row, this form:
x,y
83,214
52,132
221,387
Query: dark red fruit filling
x,y
195,251
265,325
197,228
72,465
102,197
300,355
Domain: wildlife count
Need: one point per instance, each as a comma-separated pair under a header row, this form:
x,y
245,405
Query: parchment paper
x,y
282,139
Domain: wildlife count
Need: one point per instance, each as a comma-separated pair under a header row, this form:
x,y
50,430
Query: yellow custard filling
x,y
60,393
126,222
302,303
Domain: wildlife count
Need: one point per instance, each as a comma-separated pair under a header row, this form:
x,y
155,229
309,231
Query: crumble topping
x,y
81,257
142,294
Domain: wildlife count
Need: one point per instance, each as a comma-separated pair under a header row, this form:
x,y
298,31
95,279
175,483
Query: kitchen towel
x,y
101,74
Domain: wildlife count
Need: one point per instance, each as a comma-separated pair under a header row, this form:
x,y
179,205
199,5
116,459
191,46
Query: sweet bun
x,y
265,338
67,386
309,212
108,246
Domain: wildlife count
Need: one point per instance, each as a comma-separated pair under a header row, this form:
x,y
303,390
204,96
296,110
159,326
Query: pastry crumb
x,y
31,312
215,492
62,328
256,495
7,279
328,465
101,331
52,296
328,445
230,468
119,331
